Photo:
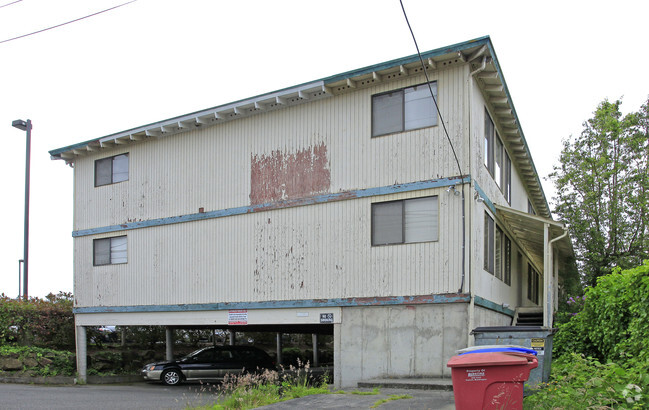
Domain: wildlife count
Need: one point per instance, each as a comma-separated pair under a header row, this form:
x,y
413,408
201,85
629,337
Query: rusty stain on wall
x,y
283,175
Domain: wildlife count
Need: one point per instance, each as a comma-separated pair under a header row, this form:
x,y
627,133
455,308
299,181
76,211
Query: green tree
x,y
602,188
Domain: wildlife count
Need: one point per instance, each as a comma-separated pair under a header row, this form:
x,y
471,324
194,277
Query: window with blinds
x,y
110,251
405,221
402,110
111,170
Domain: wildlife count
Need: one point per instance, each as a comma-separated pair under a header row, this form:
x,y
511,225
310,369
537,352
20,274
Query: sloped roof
x,y
479,53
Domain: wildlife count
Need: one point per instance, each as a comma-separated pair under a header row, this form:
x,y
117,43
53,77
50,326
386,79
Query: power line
x,y
68,22
423,66
9,4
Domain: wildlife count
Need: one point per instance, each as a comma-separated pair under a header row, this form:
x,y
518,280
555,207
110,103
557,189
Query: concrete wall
x,y
398,341
486,317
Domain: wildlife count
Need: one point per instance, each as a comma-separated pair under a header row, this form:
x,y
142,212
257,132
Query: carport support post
x,y
169,333
82,355
316,359
279,348
547,278
232,341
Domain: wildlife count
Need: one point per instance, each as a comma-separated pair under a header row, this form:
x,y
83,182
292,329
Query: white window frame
x,y
533,279
496,159
117,247
114,167
408,105
489,243
408,226
497,251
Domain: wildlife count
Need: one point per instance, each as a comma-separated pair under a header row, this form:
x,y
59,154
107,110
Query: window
x,y
110,251
488,243
111,170
402,110
533,279
508,261
507,178
497,251
488,143
496,159
406,221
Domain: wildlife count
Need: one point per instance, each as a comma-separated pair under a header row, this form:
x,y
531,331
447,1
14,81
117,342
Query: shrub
x,y
614,322
45,362
579,382
45,322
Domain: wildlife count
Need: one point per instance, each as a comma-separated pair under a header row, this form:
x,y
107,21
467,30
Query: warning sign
x,y
538,344
238,317
475,375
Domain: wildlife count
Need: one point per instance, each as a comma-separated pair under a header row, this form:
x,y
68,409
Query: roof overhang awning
x,y
529,231
541,238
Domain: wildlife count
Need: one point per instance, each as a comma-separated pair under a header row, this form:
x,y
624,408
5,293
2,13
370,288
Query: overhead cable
x,y
68,22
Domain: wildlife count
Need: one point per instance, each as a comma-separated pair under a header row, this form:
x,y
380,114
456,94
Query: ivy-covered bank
x,y
602,356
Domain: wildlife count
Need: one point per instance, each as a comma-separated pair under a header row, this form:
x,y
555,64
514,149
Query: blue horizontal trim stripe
x,y
340,196
487,304
285,304
484,196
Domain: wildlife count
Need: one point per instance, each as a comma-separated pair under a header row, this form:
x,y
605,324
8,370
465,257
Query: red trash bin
x,y
490,380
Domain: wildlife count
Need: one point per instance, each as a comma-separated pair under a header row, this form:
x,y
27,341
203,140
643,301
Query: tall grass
x,y
251,390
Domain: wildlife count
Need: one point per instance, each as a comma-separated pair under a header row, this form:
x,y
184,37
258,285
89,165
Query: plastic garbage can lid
x,y
496,349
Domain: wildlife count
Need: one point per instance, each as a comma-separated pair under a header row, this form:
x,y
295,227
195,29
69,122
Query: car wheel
x,y
171,377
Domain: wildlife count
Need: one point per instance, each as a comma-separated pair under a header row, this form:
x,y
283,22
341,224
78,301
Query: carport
x,y
313,321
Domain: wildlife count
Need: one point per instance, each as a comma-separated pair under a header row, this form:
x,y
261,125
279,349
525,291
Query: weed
x,y
254,389
390,398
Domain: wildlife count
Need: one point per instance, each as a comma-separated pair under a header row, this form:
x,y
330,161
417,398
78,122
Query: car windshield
x,y
194,353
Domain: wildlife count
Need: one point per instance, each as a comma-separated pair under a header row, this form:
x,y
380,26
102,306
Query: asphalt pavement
x,y
158,396
417,400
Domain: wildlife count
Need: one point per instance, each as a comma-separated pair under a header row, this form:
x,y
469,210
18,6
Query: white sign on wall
x,y
238,317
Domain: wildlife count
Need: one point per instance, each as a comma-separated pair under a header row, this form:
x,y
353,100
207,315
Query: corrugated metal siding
x,y
485,284
210,168
311,252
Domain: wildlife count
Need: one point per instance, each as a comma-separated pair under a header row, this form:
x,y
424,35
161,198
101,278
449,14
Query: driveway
x,y
157,396
126,396
419,400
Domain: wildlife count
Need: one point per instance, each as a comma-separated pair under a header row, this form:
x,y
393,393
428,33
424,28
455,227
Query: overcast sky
x,y
155,59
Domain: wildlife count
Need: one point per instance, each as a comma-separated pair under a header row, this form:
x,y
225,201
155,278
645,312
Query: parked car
x,y
209,363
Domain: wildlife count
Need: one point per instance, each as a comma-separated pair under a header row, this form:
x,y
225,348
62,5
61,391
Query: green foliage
x,y
611,327
143,336
47,362
580,382
614,322
45,322
390,398
602,186
249,391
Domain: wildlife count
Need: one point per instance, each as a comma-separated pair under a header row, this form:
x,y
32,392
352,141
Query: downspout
x,y
471,321
548,307
481,68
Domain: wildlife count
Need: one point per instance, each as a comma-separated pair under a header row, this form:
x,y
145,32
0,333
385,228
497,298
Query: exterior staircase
x,y
528,316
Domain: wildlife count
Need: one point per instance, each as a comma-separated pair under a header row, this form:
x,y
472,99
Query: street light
x,y
26,126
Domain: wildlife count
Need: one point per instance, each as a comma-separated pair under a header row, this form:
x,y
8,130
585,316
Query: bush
x,y
579,382
601,360
614,322
39,322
